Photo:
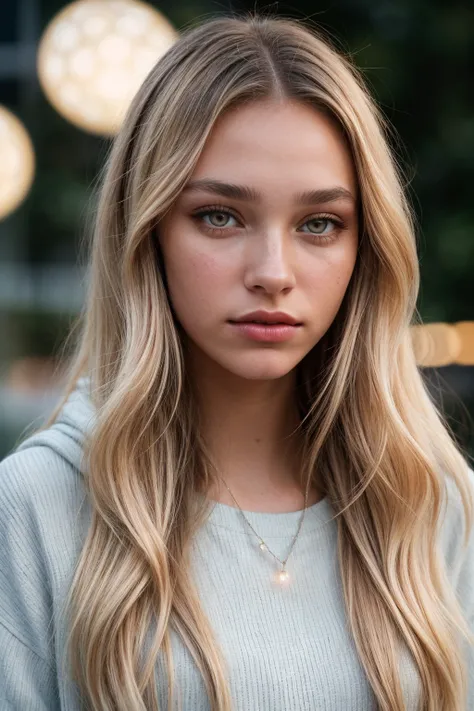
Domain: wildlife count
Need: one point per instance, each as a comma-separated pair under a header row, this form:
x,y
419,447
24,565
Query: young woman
x,y
246,498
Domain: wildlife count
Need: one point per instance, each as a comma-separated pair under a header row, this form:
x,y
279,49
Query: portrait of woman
x,y
246,499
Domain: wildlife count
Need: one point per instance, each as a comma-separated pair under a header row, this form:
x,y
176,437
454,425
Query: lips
x,y
267,323
268,318
264,332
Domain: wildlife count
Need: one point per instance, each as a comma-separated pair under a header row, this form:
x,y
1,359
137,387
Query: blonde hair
x,y
360,384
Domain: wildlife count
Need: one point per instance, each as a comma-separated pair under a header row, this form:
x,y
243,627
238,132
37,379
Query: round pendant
x,y
263,546
282,576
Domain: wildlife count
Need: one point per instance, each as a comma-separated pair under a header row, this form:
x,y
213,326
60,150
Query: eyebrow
x,y
243,192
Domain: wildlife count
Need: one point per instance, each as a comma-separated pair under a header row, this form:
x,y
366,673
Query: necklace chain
x,y
282,576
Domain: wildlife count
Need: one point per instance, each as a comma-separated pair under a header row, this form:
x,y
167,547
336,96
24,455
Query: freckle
x,y
207,263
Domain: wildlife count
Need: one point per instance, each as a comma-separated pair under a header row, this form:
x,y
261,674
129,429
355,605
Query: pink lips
x,y
277,317
272,333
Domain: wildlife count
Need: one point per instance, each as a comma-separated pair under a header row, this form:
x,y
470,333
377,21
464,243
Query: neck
x,y
248,427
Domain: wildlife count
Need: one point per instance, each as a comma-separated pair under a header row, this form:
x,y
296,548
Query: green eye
x,y
320,237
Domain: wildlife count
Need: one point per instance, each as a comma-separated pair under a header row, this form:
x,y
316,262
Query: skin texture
x,y
269,254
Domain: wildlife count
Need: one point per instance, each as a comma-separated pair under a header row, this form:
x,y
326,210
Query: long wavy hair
x,y
360,385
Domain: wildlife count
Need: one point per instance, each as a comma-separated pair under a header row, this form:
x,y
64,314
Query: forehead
x,y
269,143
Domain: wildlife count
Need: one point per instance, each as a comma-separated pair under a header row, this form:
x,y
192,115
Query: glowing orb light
x,y
421,343
465,329
95,54
17,162
436,344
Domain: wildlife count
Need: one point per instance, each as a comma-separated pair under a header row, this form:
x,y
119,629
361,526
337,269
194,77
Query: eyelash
x,y
325,239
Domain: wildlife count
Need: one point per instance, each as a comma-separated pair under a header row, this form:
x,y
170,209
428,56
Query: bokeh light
x,y
465,329
95,54
439,344
17,162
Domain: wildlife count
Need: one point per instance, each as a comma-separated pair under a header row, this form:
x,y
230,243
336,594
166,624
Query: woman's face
x,y
259,247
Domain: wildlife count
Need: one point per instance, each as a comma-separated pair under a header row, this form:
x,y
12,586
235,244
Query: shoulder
x,y
41,527
459,553
37,477
41,496
453,516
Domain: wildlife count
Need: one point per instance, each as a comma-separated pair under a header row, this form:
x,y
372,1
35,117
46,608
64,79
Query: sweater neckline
x,y
270,524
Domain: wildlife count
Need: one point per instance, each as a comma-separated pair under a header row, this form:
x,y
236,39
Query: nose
x,y
269,264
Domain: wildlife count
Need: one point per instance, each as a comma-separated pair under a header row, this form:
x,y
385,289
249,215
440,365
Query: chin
x,y
259,367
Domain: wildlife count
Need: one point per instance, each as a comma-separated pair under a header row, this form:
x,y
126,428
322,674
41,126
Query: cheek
x,y
195,281
329,278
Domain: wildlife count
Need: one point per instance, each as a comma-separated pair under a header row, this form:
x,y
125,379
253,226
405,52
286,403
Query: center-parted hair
x,y
382,452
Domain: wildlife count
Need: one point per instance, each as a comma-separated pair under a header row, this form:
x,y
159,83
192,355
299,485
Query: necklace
x,y
282,576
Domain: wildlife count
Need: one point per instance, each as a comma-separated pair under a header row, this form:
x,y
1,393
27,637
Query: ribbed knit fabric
x,y
288,647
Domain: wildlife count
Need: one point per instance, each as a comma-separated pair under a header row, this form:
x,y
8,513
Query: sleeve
x,y
26,680
27,669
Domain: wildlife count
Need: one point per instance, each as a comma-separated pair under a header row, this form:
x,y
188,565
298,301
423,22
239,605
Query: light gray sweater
x,y
288,647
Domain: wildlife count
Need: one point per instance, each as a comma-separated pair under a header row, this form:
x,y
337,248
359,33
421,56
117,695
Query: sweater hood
x,y
67,434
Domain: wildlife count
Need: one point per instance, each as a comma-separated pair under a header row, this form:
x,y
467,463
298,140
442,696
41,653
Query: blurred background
x,y
67,73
